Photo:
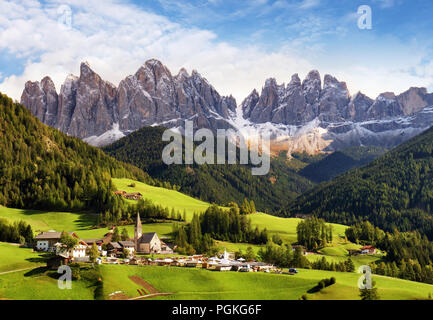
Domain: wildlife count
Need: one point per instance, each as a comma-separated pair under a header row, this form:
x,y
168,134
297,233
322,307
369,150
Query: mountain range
x,y
300,116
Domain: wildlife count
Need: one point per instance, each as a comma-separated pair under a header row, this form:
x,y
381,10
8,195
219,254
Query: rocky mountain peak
x,y
295,81
271,82
96,111
183,73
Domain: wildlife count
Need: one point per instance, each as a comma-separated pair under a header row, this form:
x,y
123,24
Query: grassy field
x,y
234,247
164,197
81,223
13,257
45,220
196,284
286,227
346,287
26,285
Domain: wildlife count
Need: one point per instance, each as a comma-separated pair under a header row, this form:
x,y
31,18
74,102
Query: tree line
x,y
217,224
314,233
16,232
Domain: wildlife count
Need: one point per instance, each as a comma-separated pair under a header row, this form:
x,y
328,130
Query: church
x,y
148,243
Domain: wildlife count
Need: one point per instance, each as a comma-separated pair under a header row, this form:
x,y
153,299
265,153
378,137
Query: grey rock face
x,y
298,104
88,106
42,99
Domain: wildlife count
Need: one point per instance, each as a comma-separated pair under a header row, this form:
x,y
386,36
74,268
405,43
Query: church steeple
x,y
138,231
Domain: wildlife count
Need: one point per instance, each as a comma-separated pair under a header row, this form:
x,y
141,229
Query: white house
x,y
45,241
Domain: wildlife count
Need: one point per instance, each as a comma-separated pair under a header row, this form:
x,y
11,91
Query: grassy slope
x,y
286,228
44,220
24,286
12,258
81,223
195,284
164,197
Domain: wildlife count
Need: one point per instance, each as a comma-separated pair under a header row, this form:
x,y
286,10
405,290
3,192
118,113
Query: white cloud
x,y
117,38
308,4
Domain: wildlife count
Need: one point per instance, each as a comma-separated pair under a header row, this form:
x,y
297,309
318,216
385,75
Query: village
x,y
140,252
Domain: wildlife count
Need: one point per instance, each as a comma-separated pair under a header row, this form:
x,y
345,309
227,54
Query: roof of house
x,y
50,235
115,245
89,241
147,237
367,248
127,243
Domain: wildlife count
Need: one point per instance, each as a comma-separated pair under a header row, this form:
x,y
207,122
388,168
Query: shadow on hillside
x,y
42,258
36,272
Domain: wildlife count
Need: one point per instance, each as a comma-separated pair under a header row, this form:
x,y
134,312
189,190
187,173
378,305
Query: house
x,y
166,249
353,252
98,242
302,248
368,250
77,253
114,249
128,245
133,196
45,241
148,243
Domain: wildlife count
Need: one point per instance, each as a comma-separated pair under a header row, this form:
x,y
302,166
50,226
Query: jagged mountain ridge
x,y
306,116
302,116
96,111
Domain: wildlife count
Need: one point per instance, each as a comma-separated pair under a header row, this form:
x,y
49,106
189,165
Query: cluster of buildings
x,y
364,250
142,244
223,263
130,196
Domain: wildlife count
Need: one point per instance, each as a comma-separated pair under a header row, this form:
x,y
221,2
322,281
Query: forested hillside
x,y
220,184
394,191
43,168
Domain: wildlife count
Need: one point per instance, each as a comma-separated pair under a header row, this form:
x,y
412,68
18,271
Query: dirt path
x,y
152,295
18,270
149,288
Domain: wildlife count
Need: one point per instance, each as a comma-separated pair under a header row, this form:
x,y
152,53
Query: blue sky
x,y
235,44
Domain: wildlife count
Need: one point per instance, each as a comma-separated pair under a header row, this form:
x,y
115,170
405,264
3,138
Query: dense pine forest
x,y
43,168
219,184
394,191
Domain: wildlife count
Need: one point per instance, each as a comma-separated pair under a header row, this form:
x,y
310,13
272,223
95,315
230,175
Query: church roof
x,y
147,237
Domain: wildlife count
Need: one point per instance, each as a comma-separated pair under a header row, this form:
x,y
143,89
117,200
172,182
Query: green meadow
x,y
165,197
199,284
45,220
12,257
35,285
286,227
81,223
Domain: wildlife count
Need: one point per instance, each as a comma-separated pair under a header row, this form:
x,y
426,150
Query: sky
x,y
235,44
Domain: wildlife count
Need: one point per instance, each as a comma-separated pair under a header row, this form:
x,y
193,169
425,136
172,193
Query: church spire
x,y
138,231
